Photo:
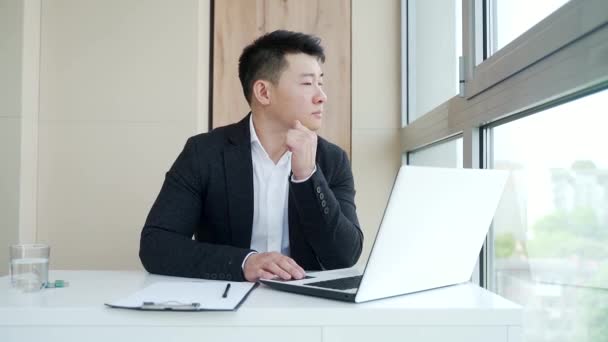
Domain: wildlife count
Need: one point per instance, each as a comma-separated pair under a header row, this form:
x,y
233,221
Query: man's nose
x,y
320,97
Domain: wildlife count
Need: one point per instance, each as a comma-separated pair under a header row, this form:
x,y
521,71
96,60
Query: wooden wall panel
x,y
238,22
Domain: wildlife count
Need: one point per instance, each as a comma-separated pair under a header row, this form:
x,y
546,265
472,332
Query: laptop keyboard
x,y
339,284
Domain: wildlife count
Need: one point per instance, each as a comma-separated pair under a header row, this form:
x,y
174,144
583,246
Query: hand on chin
x,y
302,142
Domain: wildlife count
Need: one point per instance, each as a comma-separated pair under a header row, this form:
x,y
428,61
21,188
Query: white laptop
x,y
433,228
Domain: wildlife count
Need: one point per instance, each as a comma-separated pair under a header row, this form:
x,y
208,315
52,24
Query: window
x,y
434,41
551,229
509,19
516,39
529,69
442,154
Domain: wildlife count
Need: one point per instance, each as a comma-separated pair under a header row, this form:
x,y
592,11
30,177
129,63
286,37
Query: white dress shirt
x,y
270,228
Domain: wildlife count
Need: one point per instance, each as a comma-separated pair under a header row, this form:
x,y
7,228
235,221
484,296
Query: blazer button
x,y
206,275
222,276
323,203
322,196
228,276
318,189
326,211
214,276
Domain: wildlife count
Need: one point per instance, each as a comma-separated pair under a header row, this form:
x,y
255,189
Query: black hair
x,y
265,57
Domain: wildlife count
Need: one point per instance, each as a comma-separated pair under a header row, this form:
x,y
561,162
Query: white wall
x,y
122,84
11,15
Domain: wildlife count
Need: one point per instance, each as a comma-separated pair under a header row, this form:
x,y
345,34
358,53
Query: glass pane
x,y
510,18
444,154
434,45
551,228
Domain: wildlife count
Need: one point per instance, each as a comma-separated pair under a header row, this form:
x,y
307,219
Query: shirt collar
x,y
255,139
252,133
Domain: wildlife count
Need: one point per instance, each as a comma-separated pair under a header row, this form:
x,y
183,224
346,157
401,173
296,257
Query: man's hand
x,y
302,142
269,265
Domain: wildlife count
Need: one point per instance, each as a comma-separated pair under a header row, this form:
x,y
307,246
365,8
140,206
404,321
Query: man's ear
x,y
261,92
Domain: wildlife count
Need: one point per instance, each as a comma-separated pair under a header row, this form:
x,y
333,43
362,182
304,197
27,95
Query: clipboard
x,y
187,296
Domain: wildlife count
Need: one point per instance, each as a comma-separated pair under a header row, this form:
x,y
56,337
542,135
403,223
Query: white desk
x,y
76,313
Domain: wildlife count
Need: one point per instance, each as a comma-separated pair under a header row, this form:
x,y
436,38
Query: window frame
x,y
554,32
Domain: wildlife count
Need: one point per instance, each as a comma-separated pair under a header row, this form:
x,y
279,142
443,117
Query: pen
x,y
226,291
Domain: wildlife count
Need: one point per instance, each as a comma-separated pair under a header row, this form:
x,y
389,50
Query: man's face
x,y
299,94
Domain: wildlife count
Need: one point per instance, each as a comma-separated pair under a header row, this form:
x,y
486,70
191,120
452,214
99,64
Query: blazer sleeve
x,y
328,216
166,244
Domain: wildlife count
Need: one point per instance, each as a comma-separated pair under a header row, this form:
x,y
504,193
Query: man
x,y
265,197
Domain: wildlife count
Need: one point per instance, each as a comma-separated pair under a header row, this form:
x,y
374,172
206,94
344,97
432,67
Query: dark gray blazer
x,y
208,194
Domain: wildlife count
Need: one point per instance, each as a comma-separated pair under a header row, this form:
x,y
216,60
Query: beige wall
x,y
376,117
124,83
118,99
11,15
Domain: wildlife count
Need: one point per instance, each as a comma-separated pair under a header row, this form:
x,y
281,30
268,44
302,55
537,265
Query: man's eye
x,y
307,83
321,84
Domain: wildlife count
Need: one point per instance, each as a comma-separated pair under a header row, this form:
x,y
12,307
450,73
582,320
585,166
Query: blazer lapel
x,y
238,168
